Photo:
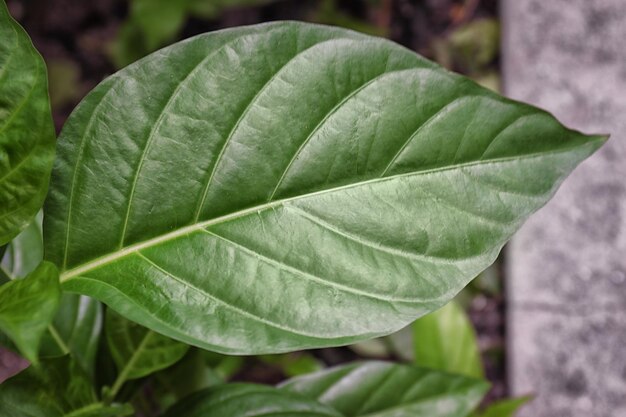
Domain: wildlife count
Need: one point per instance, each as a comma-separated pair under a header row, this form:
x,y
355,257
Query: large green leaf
x,y
26,131
137,351
445,340
27,307
286,185
380,389
77,324
56,388
249,400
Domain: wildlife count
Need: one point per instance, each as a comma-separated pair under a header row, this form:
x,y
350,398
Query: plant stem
x,y
123,375
57,338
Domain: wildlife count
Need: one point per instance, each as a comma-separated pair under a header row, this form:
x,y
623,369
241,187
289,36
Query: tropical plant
x,y
256,190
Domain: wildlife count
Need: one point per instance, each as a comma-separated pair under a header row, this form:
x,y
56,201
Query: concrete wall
x,y
567,266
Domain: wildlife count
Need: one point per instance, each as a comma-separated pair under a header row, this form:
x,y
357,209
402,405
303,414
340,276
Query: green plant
x,y
256,190
445,340
152,24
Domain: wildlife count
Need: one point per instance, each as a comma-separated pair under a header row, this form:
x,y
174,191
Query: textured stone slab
x,y
567,266
572,362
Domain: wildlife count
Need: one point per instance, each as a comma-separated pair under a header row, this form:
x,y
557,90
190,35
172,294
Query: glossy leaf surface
x,y
27,307
249,400
27,135
56,388
138,351
285,186
445,340
380,389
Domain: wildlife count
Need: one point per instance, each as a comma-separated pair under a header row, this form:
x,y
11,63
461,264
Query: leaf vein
x,y
341,287
225,303
241,117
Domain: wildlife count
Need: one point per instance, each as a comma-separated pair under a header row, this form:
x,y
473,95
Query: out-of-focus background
x,y
550,319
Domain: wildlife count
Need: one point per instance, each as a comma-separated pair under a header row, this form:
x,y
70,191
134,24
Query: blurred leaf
x,y
56,388
27,307
293,364
373,348
189,375
137,351
445,340
384,389
476,43
159,20
490,80
25,252
152,24
401,343
504,408
329,14
4,274
78,321
238,400
210,9
76,329
224,365
63,78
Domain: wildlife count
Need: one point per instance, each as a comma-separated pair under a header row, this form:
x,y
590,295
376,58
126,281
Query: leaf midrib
x,y
104,260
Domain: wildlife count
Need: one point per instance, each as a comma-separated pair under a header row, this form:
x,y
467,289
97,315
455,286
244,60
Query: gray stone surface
x,y
567,266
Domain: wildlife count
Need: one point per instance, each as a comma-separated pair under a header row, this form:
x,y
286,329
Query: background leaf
x,y
445,340
187,376
388,390
286,186
25,252
138,351
77,324
504,408
27,307
234,400
27,135
56,388
155,23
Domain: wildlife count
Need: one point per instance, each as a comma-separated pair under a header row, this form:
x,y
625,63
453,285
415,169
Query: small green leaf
x,y
504,408
237,400
286,186
138,351
27,306
56,388
445,340
189,375
76,329
78,321
155,23
27,137
476,43
388,390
